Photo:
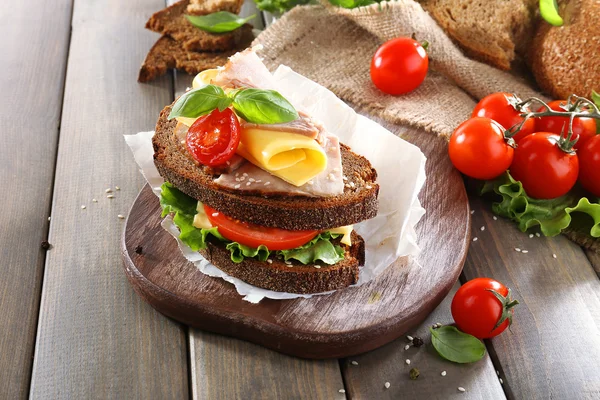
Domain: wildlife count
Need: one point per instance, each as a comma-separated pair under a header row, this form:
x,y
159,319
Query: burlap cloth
x,y
334,47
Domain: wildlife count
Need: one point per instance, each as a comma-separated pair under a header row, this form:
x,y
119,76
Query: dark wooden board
x,y
553,351
34,39
96,339
318,327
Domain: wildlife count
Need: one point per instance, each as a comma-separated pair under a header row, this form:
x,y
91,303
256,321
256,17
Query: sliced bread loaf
x,y
293,277
356,204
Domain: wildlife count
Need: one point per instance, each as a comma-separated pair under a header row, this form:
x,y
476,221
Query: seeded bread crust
x,y
172,22
293,278
356,204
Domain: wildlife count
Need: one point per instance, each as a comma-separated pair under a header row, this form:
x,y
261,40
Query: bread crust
x,y
356,204
294,277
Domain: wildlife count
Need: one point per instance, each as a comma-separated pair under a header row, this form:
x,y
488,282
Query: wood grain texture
x,y
34,39
594,258
388,364
96,339
553,351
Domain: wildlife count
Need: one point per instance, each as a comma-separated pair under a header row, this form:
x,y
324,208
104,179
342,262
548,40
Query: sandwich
x,y
260,188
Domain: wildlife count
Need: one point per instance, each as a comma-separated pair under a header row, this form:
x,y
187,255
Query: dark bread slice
x,y
172,22
356,204
168,53
294,277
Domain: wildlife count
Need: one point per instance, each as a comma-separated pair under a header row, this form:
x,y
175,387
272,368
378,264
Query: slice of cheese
x,y
292,157
346,231
201,219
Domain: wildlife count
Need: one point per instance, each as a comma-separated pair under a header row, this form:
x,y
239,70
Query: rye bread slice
x,y
172,22
356,204
294,277
167,53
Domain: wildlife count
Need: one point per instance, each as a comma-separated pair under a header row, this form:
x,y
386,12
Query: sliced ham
x,y
304,126
245,70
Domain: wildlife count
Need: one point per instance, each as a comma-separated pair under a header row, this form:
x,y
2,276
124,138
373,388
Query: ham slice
x,y
244,70
303,126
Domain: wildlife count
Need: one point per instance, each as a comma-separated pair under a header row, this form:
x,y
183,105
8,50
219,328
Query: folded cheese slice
x,y
292,157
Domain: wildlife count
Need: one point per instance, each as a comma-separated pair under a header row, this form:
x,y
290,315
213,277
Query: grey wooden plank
x,y
554,348
34,39
96,338
388,364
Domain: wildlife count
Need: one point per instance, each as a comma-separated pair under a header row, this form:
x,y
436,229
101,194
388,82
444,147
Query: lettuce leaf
x,y
572,210
173,201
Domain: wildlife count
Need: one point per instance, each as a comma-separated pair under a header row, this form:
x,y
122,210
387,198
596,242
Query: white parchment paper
x,y
400,168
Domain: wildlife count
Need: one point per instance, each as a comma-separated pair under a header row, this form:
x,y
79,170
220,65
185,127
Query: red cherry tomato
x,y
254,235
477,311
213,139
399,66
583,128
497,107
478,149
544,169
589,165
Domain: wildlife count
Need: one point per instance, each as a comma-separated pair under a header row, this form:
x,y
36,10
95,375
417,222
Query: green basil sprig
x,y
257,106
457,346
219,22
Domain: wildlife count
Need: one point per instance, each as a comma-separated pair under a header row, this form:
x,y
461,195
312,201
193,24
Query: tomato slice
x,y
213,139
254,235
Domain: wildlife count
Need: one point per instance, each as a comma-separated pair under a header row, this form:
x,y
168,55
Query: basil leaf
x,y
279,6
456,346
219,22
352,3
198,102
263,107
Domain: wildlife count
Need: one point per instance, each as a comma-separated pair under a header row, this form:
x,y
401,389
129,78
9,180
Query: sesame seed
x,y
249,183
554,255
524,251
517,249
352,184
537,234
237,179
354,362
242,179
83,207
117,188
288,262
531,236
495,218
270,261
342,391
259,181
345,178
472,212
237,186
267,183
237,174
407,347
317,266
336,169
120,216
443,373
346,185
407,361
387,385
182,141
461,389
110,196
289,265
215,214
251,180
368,186
108,190
482,228
94,200
497,372
501,381
409,338
244,174
49,218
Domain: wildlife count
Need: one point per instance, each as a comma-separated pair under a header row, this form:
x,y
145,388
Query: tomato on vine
x,y
479,149
583,128
546,165
589,165
501,108
483,307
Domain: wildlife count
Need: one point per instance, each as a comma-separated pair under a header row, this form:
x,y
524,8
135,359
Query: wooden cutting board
x,y
347,322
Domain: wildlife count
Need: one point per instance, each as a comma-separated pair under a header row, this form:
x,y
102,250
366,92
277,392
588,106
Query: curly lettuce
x,y
572,210
183,209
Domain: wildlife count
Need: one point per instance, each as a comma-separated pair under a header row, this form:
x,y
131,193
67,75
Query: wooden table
x,y
70,325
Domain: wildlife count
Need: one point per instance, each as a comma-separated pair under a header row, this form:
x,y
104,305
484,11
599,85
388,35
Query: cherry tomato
x,y
583,128
497,107
589,165
478,149
399,66
213,139
479,312
544,169
254,235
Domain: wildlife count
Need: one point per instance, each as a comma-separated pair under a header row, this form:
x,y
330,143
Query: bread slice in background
x,y
172,22
203,7
356,204
167,53
294,277
566,59
492,31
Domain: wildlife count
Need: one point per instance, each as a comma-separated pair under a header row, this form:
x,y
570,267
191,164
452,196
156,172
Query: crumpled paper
x,y
400,168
